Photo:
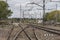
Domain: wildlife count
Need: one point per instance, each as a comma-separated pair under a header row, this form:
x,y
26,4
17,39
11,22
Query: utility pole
x,y
6,1
20,12
23,15
56,14
43,11
44,1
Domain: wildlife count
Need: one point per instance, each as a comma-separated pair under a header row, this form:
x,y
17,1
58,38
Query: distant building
x,y
40,20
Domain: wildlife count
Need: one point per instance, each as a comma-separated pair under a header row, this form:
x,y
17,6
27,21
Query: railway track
x,y
53,31
23,30
50,30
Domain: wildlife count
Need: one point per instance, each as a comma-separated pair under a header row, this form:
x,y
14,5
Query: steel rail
x,y
16,36
54,31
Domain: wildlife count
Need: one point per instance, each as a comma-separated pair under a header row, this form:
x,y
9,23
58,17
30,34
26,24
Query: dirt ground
x,y
40,34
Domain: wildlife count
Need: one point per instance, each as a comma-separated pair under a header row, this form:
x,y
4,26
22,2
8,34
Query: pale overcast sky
x,y
15,7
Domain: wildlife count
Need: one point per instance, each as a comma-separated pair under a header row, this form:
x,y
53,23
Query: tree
x,y
52,15
4,11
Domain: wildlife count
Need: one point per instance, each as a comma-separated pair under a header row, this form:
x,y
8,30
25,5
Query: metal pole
x,y
20,12
6,1
56,13
23,15
43,11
